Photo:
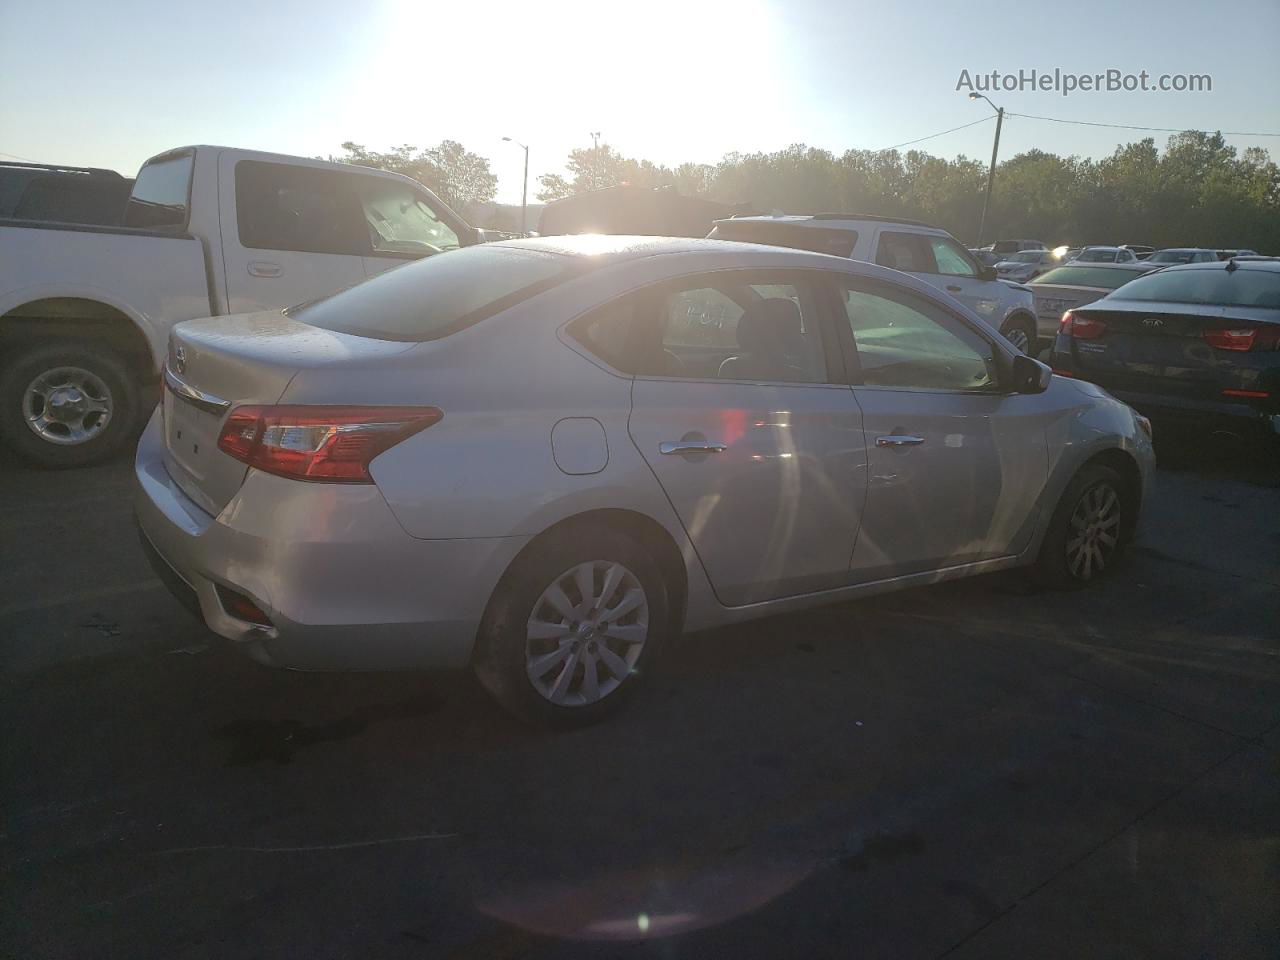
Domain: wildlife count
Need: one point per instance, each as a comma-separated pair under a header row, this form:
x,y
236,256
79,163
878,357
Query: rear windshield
x,y
1221,287
1086,277
1173,256
839,243
1028,256
161,194
431,298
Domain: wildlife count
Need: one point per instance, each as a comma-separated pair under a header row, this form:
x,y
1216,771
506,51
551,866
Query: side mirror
x,y
1030,375
985,272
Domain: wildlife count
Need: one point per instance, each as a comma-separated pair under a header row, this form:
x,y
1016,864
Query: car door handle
x,y
676,447
898,440
264,268
954,288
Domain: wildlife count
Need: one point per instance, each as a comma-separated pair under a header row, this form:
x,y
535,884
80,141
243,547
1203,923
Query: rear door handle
x,y
676,447
899,440
953,288
265,268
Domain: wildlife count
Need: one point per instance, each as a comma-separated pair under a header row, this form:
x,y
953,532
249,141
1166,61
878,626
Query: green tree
x,y
455,174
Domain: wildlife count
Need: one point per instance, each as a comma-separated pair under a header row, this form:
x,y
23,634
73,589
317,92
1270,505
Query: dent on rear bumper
x,y
345,587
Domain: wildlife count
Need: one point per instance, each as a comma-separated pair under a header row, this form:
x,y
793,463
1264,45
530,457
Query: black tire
x,y
500,660
1023,326
1060,564
26,363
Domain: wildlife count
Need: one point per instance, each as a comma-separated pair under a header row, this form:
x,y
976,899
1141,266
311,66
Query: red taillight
x,y
332,444
1248,394
1082,328
1241,340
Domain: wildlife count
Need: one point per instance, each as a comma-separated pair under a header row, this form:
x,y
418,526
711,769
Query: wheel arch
x,y
644,529
81,316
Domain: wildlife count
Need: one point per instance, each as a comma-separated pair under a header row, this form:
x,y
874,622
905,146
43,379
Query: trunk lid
x,y
217,364
1054,299
1161,348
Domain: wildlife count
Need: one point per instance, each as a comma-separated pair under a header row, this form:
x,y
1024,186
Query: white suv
x,y
925,251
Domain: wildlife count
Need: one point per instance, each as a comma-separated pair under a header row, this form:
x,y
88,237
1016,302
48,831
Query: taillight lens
x,y
1082,328
1244,339
330,444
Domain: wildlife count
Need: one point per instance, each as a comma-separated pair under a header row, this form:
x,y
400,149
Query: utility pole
x,y
991,171
524,191
595,158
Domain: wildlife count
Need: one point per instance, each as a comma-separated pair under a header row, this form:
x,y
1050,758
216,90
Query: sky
x,y
94,84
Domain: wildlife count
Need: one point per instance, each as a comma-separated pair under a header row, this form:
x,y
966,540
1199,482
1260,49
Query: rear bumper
x,y
1209,414
345,587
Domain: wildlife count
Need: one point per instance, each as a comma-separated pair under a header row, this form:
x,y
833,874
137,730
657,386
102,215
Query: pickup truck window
x,y
161,194
400,221
288,207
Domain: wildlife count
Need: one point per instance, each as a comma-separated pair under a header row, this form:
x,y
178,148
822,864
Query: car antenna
x,y
1232,265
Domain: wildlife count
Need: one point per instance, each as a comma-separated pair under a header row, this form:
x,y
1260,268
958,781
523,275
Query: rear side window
x,y
909,252
285,207
839,243
431,298
1224,288
161,194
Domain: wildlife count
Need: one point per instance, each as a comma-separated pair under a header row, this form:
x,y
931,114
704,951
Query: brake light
x,y
1249,394
1241,340
1082,328
331,444
241,607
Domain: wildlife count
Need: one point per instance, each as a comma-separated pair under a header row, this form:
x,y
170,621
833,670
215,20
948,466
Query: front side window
x,y
161,194
951,258
909,344
280,206
909,252
400,221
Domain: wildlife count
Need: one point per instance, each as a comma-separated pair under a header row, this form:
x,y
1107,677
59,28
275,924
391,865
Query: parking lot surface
x,y
973,770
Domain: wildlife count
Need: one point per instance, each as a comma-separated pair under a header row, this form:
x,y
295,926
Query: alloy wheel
x,y
1094,531
67,405
1018,337
586,633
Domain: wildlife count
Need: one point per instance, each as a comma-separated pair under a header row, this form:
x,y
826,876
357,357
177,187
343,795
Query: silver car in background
x,y
1075,284
544,459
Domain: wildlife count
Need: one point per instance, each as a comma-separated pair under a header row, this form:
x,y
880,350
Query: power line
x,y
908,143
1127,126
14,156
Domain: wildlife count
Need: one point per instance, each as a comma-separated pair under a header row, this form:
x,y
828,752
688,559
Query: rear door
x,y
740,412
942,263
290,233
955,462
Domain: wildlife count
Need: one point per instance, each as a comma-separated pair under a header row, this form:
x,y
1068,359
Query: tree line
x,y
1198,191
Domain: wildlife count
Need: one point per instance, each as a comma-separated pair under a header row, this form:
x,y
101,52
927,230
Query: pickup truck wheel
x,y
67,404
1021,332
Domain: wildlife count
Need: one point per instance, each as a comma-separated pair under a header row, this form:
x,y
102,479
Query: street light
x,y
595,157
995,148
524,192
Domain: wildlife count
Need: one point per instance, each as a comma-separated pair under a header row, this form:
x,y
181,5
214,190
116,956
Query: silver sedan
x,y
544,459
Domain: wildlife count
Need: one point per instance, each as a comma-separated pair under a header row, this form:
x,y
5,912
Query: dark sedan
x,y
1199,341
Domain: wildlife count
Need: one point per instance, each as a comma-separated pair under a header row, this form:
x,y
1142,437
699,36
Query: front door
x,y
955,462
291,233
741,415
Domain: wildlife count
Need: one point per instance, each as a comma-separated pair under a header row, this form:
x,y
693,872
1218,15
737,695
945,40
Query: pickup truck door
x,y
942,263
290,233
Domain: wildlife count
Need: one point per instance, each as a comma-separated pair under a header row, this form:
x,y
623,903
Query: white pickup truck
x,y
85,310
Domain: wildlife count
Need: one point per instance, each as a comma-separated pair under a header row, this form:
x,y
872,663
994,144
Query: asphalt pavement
x,y
973,770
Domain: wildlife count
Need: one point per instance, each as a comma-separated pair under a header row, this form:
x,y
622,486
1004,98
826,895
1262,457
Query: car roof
x,y
1139,265
616,248
1243,263
1101,246
825,219
1186,250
